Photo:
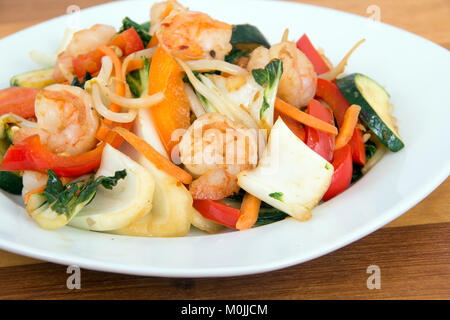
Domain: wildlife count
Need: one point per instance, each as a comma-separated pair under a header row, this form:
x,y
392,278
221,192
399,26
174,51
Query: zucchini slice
x,y
11,182
33,79
247,37
375,107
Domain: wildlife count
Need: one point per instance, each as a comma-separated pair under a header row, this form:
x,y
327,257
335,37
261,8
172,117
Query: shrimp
x,y
67,121
82,42
192,35
161,10
299,80
215,149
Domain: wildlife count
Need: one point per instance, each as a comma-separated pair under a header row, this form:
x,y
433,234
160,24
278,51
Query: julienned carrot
x,y
348,126
249,212
304,118
154,156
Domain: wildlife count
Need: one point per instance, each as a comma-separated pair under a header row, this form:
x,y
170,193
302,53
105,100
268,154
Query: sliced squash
x,y
375,107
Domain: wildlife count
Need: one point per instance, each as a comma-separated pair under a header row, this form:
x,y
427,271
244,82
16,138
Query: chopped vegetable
x,y
249,212
300,179
248,36
154,156
330,93
81,84
305,46
128,41
218,212
128,202
89,62
141,29
18,100
269,77
60,203
342,176
269,215
138,80
173,112
31,154
296,127
302,117
319,141
235,54
375,107
348,126
34,79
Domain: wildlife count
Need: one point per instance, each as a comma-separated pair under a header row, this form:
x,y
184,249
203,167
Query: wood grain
x,y
412,251
414,263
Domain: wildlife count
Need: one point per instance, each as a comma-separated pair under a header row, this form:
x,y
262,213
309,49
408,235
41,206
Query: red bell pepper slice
x,y
305,46
319,141
330,93
295,126
342,176
128,41
90,62
31,154
218,212
18,100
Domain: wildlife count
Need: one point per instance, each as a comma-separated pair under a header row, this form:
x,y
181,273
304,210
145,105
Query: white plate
x,y
415,72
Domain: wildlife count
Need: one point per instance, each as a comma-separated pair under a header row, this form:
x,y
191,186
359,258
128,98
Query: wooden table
x,y
413,251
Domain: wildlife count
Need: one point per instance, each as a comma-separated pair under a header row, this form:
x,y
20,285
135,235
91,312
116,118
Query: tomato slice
x,y
319,141
90,62
218,212
128,41
342,176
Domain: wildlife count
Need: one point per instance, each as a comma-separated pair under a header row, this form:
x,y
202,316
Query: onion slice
x,y
148,53
108,114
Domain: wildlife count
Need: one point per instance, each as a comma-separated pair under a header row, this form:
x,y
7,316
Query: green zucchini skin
x,y
11,182
34,79
248,35
368,114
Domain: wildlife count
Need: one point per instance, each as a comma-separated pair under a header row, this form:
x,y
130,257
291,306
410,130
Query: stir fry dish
x,y
187,121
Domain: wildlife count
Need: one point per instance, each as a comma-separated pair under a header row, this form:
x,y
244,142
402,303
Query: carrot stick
x,y
304,118
154,156
348,126
249,212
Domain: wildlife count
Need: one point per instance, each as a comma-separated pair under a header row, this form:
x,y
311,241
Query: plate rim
x,y
375,224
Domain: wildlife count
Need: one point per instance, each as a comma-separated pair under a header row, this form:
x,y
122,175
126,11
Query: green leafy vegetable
x,y
235,54
277,195
141,29
138,79
69,199
269,77
77,83
246,34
